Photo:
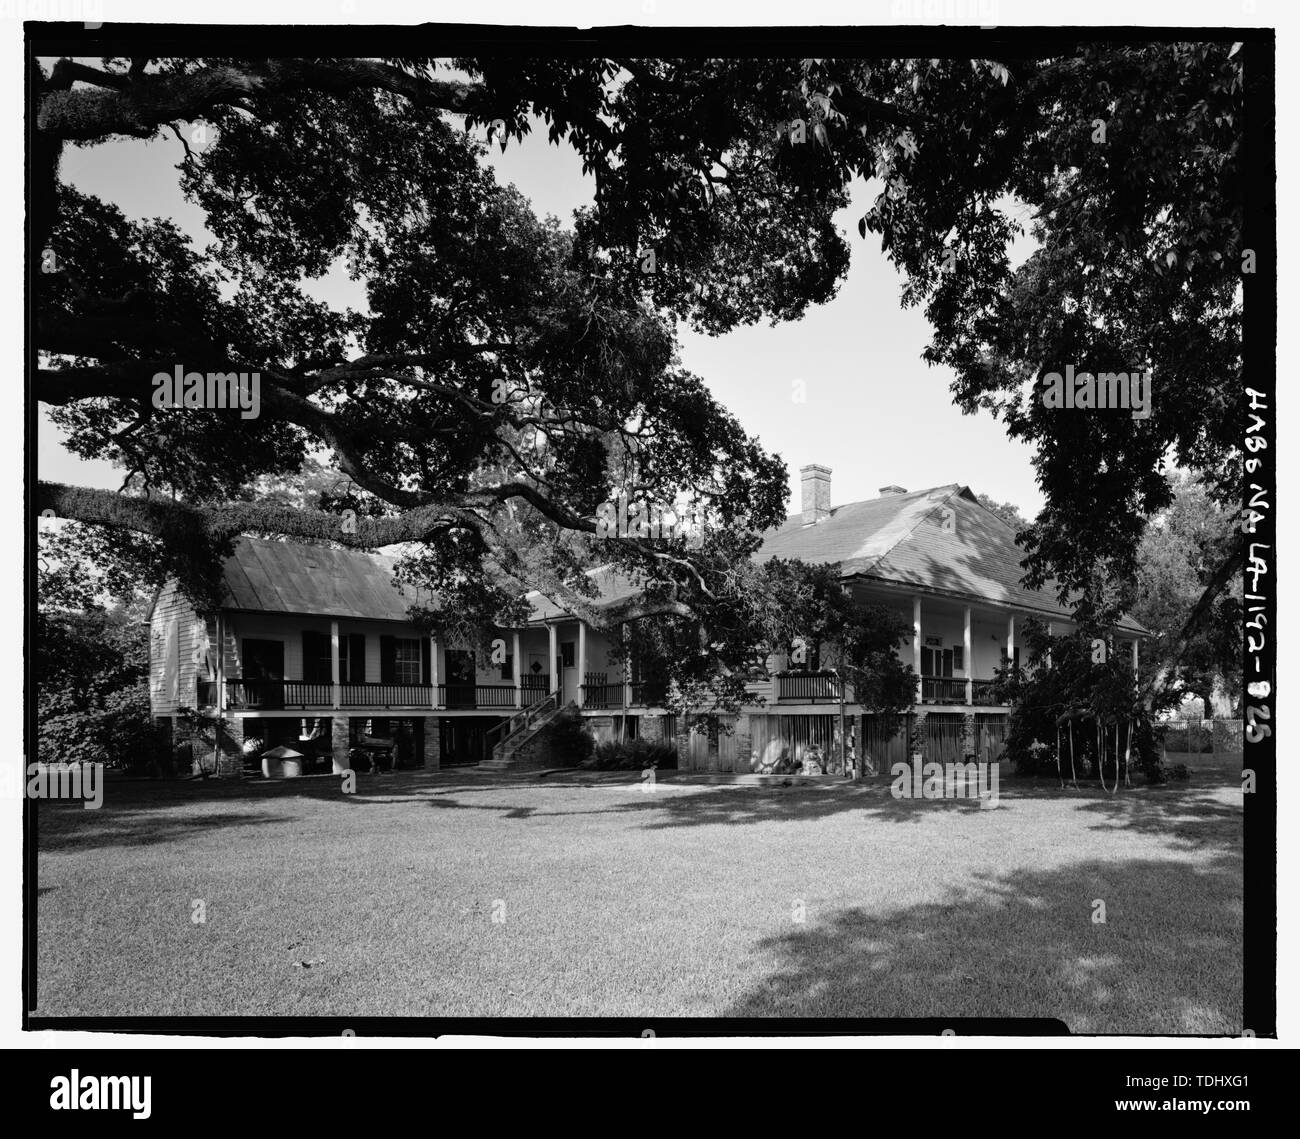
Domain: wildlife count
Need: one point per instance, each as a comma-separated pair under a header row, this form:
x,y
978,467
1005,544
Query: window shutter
x,y
356,658
426,668
315,655
388,660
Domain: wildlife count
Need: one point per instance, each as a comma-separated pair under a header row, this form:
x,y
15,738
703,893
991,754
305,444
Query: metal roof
x,y
291,577
897,539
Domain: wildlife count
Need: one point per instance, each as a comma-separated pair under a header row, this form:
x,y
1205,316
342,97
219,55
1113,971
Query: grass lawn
x,y
678,902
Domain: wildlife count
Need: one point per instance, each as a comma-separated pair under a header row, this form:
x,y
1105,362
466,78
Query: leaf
x,y
1235,48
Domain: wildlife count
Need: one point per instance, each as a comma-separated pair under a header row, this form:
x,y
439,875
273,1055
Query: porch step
x,y
506,755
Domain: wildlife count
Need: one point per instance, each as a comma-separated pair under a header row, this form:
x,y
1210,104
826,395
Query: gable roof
x,y
856,535
895,540
267,576
612,586
898,539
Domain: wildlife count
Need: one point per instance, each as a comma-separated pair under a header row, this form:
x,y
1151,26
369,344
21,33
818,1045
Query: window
x,y
406,660
959,657
566,654
318,654
508,667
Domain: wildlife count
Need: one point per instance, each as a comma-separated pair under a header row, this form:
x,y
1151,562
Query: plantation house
x,y
313,649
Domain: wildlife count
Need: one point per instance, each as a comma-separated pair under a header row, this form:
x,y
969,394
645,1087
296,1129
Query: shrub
x,y
1033,750
118,733
567,738
633,755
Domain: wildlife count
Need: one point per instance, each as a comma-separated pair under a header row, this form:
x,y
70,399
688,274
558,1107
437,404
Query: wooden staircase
x,y
508,739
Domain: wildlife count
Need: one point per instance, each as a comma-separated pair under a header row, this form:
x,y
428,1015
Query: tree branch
x,y
141,106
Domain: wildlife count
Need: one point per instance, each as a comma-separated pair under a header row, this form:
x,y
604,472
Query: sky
x,y
872,410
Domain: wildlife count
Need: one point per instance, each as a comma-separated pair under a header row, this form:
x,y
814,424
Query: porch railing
x,y
493,696
602,695
270,694
373,694
807,687
943,690
476,695
952,690
254,695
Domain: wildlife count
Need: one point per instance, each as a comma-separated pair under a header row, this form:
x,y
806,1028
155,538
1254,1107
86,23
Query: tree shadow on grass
x,y
1188,819
1183,815
669,806
69,828
1166,960
140,813
744,805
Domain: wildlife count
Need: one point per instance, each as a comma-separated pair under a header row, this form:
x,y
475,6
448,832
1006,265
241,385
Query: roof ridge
x,y
952,488
990,511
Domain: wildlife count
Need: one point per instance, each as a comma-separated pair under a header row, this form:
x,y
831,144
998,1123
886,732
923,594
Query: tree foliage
x,y
92,662
1179,553
1009,512
507,374
1085,687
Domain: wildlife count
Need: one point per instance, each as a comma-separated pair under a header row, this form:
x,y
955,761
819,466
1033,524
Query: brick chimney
x,y
886,491
816,485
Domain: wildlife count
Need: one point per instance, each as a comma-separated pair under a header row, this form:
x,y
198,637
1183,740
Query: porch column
x,y
1135,660
970,670
1011,640
553,639
339,743
336,693
519,674
627,670
916,644
582,662
1051,632
221,666
433,674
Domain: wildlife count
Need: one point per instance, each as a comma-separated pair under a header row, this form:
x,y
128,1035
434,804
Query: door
x,y
567,664
460,678
264,674
937,662
726,754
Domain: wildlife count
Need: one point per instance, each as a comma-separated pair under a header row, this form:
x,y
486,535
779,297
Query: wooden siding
x,y
175,630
